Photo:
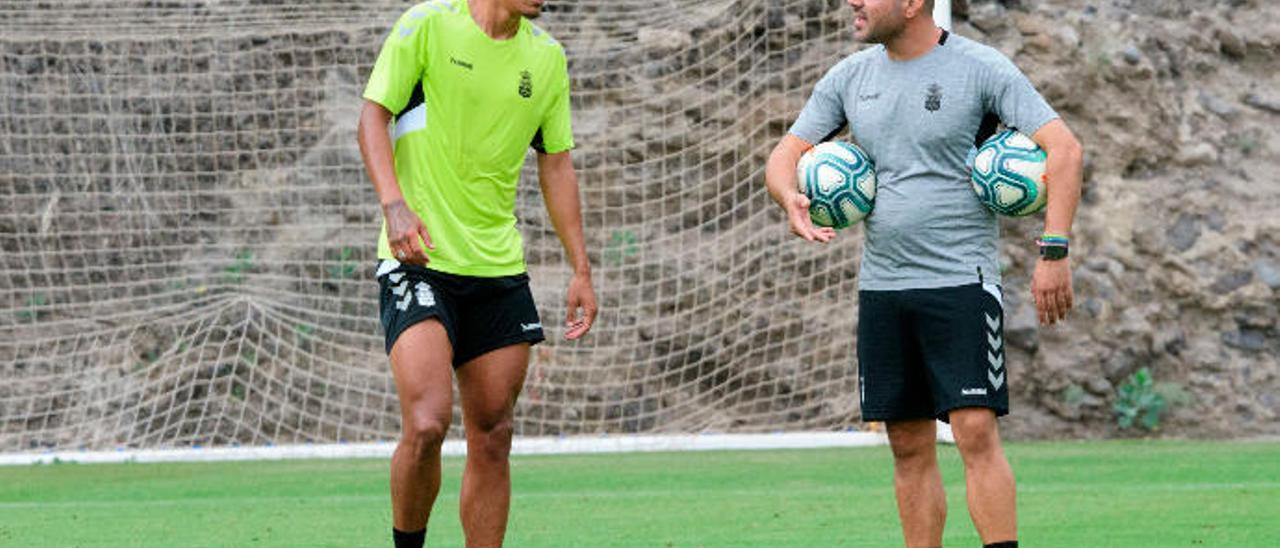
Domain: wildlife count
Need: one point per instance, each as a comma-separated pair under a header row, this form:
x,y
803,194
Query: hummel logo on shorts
x,y
973,391
531,326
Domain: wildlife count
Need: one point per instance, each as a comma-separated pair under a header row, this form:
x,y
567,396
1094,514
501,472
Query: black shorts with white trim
x,y
925,352
479,314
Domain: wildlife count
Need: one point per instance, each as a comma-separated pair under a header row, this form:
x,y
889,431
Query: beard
x,y
882,35
531,12
886,28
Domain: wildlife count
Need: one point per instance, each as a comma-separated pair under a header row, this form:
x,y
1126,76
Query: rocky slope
x,y
1177,257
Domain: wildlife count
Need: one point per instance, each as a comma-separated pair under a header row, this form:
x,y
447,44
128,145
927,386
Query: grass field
x,y
1070,494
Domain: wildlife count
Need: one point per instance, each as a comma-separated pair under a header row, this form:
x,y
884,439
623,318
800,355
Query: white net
x,y
188,232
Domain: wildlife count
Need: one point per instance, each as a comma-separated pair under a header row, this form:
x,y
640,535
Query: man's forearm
x,y
560,193
1063,172
780,176
376,151
780,170
776,173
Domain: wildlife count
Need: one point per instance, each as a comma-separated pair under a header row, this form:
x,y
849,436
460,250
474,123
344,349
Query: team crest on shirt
x,y
526,84
933,101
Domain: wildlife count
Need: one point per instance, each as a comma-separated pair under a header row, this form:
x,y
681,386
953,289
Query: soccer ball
x,y
840,181
1008,174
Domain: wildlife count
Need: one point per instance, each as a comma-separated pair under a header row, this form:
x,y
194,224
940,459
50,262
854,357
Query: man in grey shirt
x,y
930,328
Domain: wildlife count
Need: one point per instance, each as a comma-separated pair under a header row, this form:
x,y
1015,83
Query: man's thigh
x,y
421,363
490,383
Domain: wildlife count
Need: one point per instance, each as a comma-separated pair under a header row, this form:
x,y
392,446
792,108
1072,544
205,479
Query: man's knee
x,y
912,443
975,432
492,440
424,436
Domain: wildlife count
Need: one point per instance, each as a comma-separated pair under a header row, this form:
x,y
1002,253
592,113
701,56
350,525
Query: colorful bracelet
x,y
1053,240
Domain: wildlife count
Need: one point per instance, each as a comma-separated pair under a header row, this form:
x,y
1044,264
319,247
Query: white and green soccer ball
x,y
1008,174
840,181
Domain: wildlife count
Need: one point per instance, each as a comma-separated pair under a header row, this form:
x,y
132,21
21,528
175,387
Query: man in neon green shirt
x,y
470,85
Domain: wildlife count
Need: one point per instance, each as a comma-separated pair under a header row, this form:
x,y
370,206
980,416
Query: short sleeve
x,y
1012,97
823,115
401,62
555,133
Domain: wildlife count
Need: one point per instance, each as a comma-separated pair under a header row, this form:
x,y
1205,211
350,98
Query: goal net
x,y
188,233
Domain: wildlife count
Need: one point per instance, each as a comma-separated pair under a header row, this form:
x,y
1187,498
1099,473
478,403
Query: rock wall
x,y
1177,254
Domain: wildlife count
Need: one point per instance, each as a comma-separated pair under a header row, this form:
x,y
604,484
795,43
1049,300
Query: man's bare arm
x,y
559,184
405,231
780,179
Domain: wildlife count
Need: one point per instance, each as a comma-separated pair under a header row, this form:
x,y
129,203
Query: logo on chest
x,y
933,101
526,84
460,63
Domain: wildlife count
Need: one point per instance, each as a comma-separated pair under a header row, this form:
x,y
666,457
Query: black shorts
x,y
924,352
479,314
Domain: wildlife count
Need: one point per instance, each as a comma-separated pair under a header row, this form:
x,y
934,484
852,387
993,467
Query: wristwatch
x,y
1053,247
1053,252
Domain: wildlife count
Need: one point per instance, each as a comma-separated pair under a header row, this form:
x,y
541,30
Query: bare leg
x,y
421,361
988,478
922,505
489,386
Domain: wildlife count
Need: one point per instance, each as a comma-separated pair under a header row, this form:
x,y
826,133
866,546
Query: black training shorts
x,y
479,314
924,352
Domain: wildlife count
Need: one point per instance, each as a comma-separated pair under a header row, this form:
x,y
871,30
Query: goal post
x,y
942,13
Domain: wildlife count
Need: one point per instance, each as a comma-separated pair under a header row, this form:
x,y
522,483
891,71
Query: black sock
x,y
409,540
1004,544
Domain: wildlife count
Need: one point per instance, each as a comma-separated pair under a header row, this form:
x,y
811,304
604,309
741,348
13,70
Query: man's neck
x,y
918,38
498,23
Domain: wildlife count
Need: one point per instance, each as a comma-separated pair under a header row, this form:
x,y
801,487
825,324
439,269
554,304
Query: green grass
x,y
1070,494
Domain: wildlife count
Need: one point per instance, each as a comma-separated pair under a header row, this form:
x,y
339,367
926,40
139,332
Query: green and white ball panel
x,y
1032,172
1016,140
830,177
983,161
867,184
1008,174
840,181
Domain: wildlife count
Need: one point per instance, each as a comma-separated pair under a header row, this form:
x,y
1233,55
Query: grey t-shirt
x,y
918,120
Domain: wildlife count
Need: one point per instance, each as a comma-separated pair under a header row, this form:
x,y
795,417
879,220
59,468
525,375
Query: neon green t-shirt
x,y
467,108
